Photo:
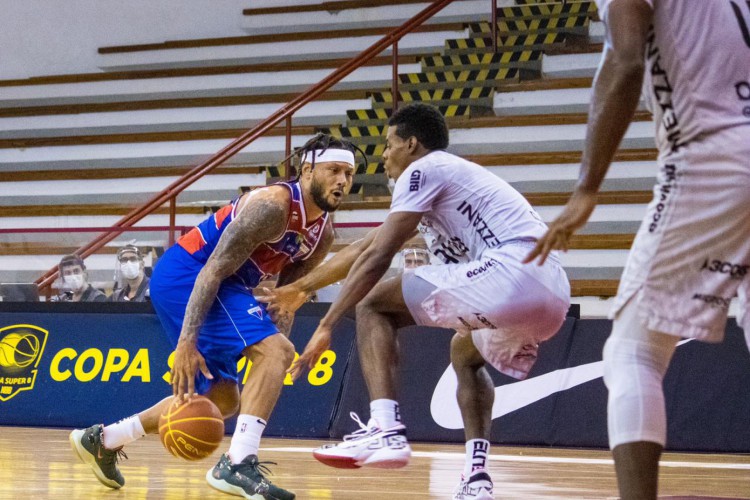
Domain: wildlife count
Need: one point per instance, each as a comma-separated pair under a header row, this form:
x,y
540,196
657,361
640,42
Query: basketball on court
x,y
192,430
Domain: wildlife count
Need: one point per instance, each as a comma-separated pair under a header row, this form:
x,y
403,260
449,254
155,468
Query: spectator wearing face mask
x,y
132,282
75,286
415,257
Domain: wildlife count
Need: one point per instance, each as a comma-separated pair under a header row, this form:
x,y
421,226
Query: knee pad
x,y
634,369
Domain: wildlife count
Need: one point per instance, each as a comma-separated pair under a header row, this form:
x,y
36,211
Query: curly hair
x,y
423,122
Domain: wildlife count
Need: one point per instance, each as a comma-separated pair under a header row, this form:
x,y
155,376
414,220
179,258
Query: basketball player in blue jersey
x,y
201,290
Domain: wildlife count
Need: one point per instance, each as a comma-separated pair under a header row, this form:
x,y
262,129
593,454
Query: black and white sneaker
x,y
245,479
87,443
370,446
477,487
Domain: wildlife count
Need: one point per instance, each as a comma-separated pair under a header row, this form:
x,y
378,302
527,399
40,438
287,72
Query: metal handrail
x,y
170,193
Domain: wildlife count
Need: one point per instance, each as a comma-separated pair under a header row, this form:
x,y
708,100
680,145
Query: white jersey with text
x,y
467,210
697,75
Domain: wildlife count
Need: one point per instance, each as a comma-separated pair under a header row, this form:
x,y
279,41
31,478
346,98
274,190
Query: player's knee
x,y
464,353
633,372
226,397
642,360
273,352
365,307
283,350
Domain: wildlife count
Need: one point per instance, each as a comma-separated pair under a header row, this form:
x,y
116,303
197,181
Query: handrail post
x,y
288,148
172,216
494,25
394,83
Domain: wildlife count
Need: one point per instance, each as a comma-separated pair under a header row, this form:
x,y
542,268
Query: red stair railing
x,y
170,193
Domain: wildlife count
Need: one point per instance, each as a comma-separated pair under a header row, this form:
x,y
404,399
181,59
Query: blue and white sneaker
x,y
369,446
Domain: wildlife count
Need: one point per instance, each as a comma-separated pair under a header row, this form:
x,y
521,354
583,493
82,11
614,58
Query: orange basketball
x,y
192,430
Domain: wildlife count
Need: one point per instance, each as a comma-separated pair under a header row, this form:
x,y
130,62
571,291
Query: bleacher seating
x,y
80,150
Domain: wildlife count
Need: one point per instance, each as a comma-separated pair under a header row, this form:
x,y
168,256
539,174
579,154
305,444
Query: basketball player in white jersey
x,y
692,252
480,228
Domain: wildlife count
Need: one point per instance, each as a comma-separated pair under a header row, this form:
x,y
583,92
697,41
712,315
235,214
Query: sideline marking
x,y
562,460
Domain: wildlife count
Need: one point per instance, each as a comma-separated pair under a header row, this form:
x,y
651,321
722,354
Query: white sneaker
x,y
371,446
477,487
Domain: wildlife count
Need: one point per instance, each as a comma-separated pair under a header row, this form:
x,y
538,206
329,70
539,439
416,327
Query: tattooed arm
x,y
263,217
284,317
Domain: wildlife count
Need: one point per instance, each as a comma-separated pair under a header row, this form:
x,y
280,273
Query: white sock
x,y
123,432
385,412
477,451
246,437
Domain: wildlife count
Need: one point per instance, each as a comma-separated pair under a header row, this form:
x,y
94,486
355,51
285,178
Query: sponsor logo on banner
x,y
21,349
511,397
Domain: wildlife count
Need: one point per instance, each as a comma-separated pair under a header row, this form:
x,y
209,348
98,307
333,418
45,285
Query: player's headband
x,y
324,155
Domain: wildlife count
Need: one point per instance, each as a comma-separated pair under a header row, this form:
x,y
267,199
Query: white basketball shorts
x,y
691,255
508,307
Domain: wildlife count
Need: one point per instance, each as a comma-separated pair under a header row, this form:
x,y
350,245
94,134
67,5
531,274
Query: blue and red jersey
x,y
299,240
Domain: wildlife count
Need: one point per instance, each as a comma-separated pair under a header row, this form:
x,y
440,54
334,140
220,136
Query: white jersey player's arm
x,y
617,89
291,296
372,263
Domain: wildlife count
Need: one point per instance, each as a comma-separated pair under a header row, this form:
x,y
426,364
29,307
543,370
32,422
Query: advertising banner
x,y
563,402
76,369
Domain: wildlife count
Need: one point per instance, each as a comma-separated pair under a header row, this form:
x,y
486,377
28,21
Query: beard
x,y
316,190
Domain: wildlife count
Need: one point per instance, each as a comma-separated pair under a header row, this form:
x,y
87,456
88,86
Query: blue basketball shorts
x,y
235,321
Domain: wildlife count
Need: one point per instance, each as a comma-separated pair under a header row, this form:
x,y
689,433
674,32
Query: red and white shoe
x,y
478,486
370,446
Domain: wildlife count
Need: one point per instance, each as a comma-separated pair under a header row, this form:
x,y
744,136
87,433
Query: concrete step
x,y
343,46
276,82
171,119
575,100
317,19
570,65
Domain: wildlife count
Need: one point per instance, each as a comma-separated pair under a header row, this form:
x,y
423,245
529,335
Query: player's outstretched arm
x,y
617,88
369,267
263,218
294,293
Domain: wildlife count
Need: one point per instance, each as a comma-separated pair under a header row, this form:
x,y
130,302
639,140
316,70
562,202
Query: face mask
x,y
130,270
391,184
74,281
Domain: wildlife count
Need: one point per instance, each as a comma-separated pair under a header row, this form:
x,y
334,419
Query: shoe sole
x,y
86,457
377,460
483,495
221,485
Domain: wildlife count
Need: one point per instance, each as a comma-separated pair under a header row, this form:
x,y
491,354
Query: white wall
x,y
49,37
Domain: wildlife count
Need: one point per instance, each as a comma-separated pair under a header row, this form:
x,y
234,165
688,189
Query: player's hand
x,y
187,362
283,320
575,214
288,298
319,342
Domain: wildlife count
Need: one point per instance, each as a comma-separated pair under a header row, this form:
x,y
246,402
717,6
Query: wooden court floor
x,y
37,463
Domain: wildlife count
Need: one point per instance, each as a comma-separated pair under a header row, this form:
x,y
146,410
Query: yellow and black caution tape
x,y
461,94
546,10
553,23
485,60
452,78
